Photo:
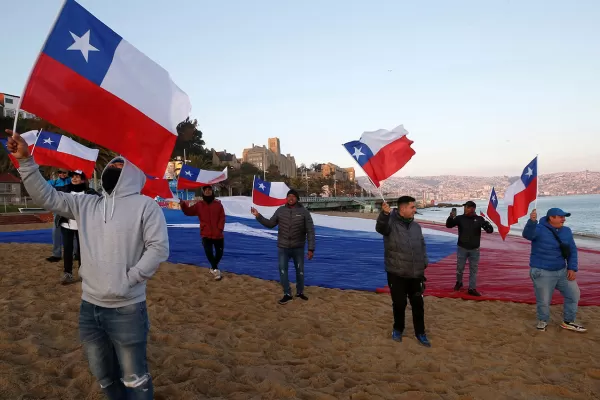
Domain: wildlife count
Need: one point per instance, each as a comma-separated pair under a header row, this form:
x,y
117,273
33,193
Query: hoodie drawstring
x,y
112,208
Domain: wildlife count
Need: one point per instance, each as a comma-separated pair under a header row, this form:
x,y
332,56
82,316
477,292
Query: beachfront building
x,y
9,105
224,159
10,189
262,157
331,170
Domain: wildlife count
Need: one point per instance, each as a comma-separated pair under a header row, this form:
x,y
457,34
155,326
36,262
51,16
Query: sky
x,y
481,86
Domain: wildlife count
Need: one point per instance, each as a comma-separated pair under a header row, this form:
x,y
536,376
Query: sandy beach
x,y
231,340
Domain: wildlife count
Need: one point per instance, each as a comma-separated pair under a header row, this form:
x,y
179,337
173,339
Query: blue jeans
x,y
56,238
296,255
544,283
462,255
114,341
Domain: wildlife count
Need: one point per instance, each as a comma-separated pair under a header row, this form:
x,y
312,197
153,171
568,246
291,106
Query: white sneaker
x,y
541,325
216,273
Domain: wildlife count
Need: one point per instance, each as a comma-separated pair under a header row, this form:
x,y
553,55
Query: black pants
x,y
218,245
68,248
401,289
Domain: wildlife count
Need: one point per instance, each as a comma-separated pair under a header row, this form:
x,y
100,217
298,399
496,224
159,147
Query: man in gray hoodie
x,y
123,240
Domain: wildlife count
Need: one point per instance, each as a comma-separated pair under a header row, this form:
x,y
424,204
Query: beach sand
x,y
231,340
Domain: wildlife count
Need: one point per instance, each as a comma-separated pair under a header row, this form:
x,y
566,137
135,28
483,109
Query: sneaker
x,y
458,286
301,296
423,340
396,335
67,279
53,259
474,292
572,326
286,299
217,274
541,325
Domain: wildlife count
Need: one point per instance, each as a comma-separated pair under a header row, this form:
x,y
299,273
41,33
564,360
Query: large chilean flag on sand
x,y
60,151
269,194
521,193
91,82
29,137
381,153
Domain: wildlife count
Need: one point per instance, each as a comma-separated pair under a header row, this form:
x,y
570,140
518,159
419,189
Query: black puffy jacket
x,y
405,254
295,226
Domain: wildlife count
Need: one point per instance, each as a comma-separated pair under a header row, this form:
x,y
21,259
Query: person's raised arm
x,y
267,223
42,194
383,221
190,211
530,230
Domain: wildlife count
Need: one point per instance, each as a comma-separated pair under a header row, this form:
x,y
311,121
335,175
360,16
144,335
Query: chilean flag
x,y
269,194
156,187
193,178
381,153
60,151
494,216
521,193
29,137
91,82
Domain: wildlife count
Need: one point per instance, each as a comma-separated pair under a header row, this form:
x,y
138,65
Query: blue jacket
x,y
545,250
61,185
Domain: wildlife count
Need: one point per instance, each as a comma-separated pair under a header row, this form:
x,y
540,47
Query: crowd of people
x,y
124,239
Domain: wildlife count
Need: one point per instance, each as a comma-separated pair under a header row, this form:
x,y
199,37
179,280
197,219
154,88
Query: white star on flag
x,y
82,44
188,173
48,141
262,186
357,153
529,172
493,198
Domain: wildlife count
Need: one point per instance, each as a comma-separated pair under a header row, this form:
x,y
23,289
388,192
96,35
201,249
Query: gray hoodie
x,y
123,235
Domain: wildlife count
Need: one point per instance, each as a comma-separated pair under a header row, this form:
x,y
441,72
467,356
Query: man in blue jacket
x,y
553,263
61,184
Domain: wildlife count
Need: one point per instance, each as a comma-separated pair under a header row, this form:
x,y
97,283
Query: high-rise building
x,y
262,157
274,145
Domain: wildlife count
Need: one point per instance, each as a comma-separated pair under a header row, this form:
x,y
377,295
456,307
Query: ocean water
x,y
584,209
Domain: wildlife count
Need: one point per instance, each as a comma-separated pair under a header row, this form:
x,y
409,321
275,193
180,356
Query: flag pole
x,y
253,183
36,140
537,185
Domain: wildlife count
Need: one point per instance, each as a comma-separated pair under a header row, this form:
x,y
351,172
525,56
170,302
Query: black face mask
x,y
208,199
78,188
110,177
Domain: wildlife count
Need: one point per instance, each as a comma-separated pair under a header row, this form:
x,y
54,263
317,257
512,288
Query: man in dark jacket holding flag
x,y
469,240
295,228
405,258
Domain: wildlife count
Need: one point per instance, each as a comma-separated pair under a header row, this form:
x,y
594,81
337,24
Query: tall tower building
x,y
274,145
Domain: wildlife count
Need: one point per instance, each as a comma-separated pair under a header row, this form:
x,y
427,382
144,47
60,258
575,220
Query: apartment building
x,y
330,170
9,105
262,157
223,159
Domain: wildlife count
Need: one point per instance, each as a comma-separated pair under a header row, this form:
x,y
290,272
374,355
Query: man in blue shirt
x,y
553,263
61,184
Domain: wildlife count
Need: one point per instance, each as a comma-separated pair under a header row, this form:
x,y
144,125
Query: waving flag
x,y
156,187
521,193
269,194
492,212
192,178
381,153
29,138
93,83
60,151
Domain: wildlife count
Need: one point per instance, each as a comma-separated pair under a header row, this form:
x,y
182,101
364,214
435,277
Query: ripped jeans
x,y
114,341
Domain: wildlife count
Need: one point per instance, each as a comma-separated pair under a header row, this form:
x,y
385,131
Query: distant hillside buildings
x,y
262,157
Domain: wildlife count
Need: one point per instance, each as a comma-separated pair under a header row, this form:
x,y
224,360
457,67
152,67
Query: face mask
x,y
208,199
110,177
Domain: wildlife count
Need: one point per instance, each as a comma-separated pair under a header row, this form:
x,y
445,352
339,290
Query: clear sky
x,y
482,86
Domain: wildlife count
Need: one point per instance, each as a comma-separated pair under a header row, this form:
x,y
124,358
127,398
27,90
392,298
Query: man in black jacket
x,y
469,237
405,258
295,227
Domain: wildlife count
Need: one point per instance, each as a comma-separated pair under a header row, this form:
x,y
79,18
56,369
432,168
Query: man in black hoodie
x,y
469,237
295,227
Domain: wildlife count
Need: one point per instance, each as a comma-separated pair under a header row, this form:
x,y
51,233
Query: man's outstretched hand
x,y
17,145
